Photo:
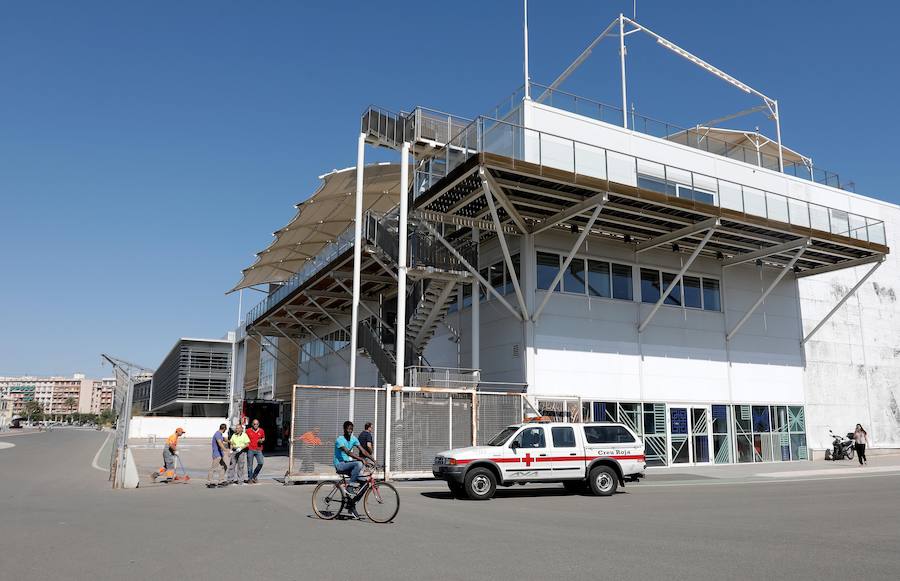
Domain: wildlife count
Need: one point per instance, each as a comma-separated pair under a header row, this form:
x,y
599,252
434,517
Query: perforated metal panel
x,y
495,412
319,415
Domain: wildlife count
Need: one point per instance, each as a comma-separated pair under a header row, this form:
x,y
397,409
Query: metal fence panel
x,y
495,412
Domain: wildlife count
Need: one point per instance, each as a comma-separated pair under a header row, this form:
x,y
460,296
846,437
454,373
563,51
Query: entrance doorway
x,y
689,435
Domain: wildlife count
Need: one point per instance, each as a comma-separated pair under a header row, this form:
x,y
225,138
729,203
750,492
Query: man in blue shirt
x,y
216,475
345,460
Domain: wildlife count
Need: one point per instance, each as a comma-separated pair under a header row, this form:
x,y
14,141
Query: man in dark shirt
x,y
365,439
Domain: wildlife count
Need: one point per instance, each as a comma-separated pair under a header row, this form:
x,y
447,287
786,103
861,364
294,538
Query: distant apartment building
x,y
57,395
140,401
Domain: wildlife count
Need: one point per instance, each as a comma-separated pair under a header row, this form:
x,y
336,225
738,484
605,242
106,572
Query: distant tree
x,y
70,403
107,417
34,412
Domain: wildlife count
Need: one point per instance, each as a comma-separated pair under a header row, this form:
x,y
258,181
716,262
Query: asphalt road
x,y
59,520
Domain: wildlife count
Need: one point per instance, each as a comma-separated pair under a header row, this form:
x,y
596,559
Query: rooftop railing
x,y
697,138
490,135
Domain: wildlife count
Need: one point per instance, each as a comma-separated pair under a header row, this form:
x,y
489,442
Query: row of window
x,y
597,278
335,340
563,436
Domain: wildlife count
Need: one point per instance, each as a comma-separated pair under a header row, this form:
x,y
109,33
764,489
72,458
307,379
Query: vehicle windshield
x,y
503,436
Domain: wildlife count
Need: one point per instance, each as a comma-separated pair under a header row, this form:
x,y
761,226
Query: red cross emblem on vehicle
x,y
528,460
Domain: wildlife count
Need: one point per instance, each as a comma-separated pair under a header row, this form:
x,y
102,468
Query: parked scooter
x,y
841,448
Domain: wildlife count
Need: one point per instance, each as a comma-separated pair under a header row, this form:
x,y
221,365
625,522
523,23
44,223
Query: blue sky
x,y
148,150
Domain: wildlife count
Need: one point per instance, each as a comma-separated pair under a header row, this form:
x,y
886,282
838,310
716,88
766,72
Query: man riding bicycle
x,y
346,462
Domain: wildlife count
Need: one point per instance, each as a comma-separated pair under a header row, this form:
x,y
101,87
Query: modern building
x,y
712,288
140,402
193,380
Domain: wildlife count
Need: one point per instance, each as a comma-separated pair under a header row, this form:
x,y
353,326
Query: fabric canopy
x,y
718,137
321,219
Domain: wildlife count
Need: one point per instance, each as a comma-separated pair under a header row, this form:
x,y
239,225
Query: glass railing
x,y
310,269
498,137
697,138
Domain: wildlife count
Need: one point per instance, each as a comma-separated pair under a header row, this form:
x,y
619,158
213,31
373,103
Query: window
x,y
573,280
530,438
503,436
711,301
547,268
598,279
622,286
650,292
674,297
563,437
607,435
692,295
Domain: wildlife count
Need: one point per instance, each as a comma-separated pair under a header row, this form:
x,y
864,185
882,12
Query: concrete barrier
x,y
161,427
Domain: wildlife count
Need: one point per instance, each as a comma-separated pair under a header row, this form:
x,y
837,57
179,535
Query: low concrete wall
x,y
164,426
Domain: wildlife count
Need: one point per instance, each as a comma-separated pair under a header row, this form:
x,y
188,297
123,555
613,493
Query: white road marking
x,y
97,455
4,445
764,482
830,471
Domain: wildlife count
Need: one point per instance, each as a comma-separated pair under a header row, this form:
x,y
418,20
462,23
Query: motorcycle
x,y
842,448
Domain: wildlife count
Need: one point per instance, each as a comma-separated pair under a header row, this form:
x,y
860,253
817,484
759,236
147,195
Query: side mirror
x,y
514,446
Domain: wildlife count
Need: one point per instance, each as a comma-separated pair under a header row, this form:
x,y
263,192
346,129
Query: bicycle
x,y
380,499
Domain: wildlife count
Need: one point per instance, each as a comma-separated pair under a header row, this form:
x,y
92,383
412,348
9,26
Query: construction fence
x,y
423,423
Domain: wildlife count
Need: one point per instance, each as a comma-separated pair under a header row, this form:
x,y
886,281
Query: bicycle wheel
x,y
327,500
382,502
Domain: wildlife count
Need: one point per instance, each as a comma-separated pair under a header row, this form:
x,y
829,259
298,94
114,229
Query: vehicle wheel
x,y
574,486
382,502
850,454
480,484
603,481
456,490
327,500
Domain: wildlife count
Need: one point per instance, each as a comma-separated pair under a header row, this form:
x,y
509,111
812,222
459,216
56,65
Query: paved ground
x,y
800,521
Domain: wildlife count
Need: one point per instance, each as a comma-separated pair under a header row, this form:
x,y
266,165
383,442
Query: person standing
x,y
255,451
239,442
366,441
219,466
861,438
170,450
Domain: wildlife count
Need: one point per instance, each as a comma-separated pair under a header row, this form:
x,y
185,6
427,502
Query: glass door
x,y
689,435
700,435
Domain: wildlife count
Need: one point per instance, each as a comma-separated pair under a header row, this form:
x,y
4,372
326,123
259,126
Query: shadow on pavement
x,y
517,492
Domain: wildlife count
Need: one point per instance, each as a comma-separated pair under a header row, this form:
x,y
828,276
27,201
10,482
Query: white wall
x,y
164,426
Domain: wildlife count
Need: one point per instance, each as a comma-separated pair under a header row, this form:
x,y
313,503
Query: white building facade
x,y
706,291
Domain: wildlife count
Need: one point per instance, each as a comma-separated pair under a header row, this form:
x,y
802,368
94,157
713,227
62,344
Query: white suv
x,y
600,455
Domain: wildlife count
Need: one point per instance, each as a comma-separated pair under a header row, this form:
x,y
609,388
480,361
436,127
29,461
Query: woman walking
x,y
861,437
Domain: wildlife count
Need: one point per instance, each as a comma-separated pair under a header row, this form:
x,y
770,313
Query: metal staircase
x,y
434,273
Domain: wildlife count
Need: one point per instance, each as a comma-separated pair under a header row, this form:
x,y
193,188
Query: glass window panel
x,y
650,292
621,168
598,279
711,298
730,196
858,227
799,212
798,447
744,448
674,297
761,423
495,276
607,435
530,438
574,279
590,161
840,222
818,218
547,269
721,448
705,186
692,294
754,202
563,437
742,418
777,207
796,419
622,285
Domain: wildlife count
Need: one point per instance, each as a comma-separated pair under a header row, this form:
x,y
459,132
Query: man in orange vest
x,y
170,450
